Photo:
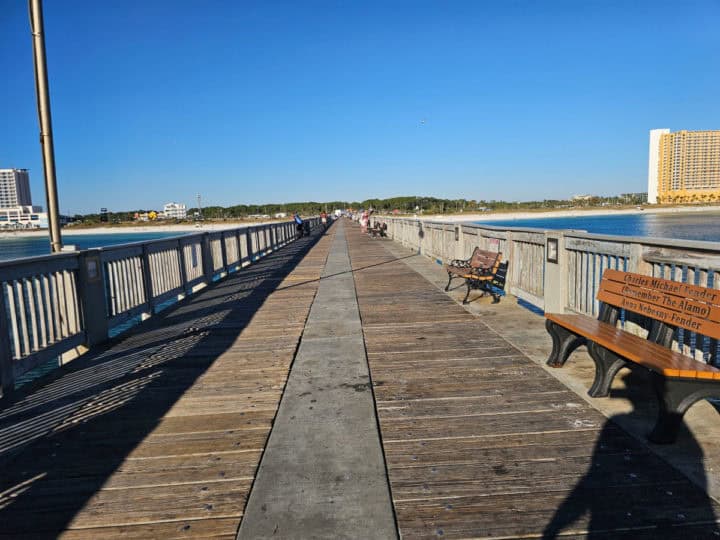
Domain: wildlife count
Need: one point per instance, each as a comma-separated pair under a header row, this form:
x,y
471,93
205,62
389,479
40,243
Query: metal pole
x,y
46,142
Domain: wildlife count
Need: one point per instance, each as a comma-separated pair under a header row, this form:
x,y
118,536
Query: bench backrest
x,y
676,304
500,274
487,260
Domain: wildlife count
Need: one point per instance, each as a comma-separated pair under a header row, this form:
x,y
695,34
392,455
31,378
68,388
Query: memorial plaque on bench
x,y
678,304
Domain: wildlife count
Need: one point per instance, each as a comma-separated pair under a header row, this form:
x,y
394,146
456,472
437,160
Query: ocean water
x,y
687,226
18,245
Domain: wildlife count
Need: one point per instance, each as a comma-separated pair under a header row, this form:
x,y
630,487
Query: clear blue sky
x,y
269,101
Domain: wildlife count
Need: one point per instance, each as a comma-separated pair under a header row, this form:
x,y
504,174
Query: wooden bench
x,y
669,311
484,270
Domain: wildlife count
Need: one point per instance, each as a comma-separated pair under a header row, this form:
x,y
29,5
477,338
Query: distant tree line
x,y
404,205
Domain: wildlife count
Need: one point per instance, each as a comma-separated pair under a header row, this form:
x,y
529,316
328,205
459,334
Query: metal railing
x,y
65,303
559,271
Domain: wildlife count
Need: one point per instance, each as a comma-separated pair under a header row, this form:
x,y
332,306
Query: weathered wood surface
x,y
160,435
480,442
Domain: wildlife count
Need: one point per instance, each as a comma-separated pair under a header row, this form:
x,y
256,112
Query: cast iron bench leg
x,y
607,364
450,278
564,343
467,294
675,397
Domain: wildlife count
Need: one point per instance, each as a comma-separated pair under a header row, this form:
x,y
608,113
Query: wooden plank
x,y
218,529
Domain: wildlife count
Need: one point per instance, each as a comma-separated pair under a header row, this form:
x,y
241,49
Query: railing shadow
x,y
60,441
629,492
352,271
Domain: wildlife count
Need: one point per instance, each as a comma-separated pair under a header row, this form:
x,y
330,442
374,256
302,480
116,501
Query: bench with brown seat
x,y
666,309
483,270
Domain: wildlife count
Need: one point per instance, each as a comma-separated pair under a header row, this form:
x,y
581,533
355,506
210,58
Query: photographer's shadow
x,y
629,491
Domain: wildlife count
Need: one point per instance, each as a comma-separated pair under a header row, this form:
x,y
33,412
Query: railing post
x,y
223,251
7,376
420,234
147,279
91,290
636,263
183,268
239,249
248,241
207,258
459,242
555,281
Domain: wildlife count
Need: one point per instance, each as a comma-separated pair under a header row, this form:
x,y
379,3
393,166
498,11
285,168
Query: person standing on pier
x,y
299,224
323,220
364,219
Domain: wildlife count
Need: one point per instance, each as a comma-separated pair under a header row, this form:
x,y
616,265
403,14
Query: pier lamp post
x,y
46,140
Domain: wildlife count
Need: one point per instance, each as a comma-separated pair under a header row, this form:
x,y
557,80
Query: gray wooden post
x,y
248,240
555,282
461,243
7,377
207,259
91,290
637,263
223,250
239,244
147,279
183,267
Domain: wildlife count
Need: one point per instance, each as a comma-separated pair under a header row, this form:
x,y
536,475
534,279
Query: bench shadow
x,y
629,492
61,439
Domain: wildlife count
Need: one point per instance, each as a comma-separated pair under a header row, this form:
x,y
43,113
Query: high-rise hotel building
x,y
684,167
14,188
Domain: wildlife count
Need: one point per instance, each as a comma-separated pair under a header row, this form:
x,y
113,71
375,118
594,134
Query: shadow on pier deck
x,y
160,434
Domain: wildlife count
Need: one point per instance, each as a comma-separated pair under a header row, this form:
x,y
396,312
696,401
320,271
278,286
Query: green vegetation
x,y
402,205
414,204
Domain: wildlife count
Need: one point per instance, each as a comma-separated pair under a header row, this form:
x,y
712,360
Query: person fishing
x,y
299,224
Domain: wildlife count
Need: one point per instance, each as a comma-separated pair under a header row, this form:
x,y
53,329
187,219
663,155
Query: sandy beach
x,y
504,216
174,228
483,216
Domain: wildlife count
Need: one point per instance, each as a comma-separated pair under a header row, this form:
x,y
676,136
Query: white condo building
x,y
14,188
16,208
653,162
175,211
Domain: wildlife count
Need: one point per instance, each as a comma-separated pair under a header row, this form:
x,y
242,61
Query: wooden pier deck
x,y
481,442
160,434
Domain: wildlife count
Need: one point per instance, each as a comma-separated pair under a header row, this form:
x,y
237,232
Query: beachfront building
x,y
175,211
684,167
14,188
23,217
